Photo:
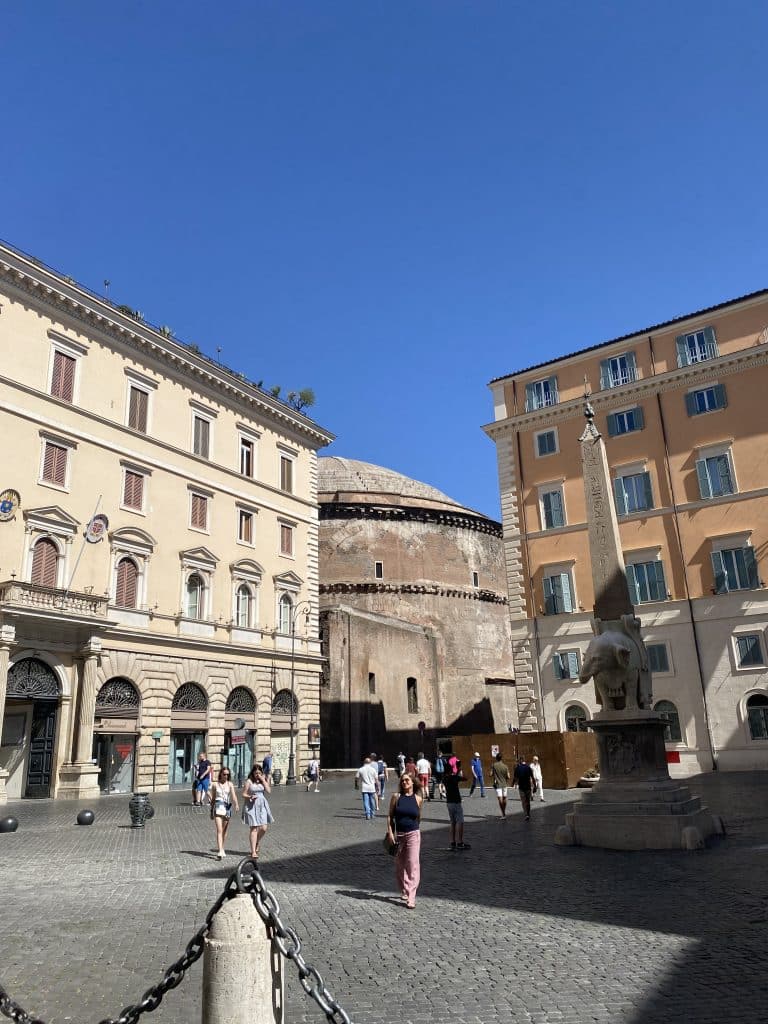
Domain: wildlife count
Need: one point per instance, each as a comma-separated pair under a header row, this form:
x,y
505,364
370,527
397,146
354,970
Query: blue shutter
x,y
690,403
556,508
530,397
549,597
726,477
620,496
631,365
656,584
612,430
682,351
718,569
750,563
557,666
639,418
704,485
721,400
546,505
647,490
605,374
710,341
573,665
634,595
565,583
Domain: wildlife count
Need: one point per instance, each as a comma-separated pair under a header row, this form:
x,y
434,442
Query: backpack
x,y
439,766
380,768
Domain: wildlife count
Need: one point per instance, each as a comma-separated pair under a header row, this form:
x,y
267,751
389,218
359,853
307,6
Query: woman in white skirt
x,y
223,797
536,770
256,812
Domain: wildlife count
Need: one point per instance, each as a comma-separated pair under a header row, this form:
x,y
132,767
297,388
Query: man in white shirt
x,y
368,780
424,770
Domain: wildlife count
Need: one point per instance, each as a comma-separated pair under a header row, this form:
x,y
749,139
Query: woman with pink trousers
x,y
403,823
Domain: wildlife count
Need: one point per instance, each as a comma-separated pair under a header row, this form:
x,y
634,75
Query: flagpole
x,y
80,554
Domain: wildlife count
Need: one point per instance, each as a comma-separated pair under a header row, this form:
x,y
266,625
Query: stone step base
x,y
661,830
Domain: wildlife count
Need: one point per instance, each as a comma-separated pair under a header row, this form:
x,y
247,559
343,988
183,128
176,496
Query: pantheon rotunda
x,y
414,616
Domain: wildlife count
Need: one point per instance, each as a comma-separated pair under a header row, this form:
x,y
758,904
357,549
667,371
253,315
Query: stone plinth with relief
x,y
635,805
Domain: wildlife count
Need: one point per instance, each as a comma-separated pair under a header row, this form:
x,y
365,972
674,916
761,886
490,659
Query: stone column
x,y
7,637
81,778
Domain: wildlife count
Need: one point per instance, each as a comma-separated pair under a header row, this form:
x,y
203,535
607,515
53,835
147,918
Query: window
x,y
138,408
546,442
247,452
716,477
133,490
552,509
696,347
201,436
757,715
45,563
575,718
194,596
371,682
748,650
633,493
735,569
127,585
626,422
658,657
618,370
54,469
646,581
63,376
566,664
198,519
475,579
706,399
286,474
244,607
286,539
541,393
413,695
244,526
558,594
285,613
378,570
668,711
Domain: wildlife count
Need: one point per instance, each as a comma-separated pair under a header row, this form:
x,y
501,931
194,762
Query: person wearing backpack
x,y
439,773
383,775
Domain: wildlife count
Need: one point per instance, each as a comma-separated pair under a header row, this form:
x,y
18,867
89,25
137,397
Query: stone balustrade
x,y
35,597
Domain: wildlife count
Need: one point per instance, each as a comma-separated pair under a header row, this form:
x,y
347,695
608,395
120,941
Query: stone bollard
x,y
243,981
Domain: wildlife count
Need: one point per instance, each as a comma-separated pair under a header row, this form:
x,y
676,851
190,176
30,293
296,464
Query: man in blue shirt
x,y
266,766
477,775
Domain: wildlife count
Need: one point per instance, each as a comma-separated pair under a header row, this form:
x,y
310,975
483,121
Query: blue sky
x,y
392,202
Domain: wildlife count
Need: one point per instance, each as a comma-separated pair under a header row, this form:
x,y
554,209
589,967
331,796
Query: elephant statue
x,y
617,661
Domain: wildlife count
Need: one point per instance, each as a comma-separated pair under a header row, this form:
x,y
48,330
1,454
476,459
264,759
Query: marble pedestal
x,y
79,782
636,805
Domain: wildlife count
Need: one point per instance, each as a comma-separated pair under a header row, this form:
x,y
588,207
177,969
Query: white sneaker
x,y
221,854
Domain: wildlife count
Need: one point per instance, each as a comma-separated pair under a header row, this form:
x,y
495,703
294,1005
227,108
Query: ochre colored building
x,y
681,406
182,625
414,616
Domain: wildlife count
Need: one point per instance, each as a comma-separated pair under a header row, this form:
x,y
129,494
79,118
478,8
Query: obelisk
x,y
635,805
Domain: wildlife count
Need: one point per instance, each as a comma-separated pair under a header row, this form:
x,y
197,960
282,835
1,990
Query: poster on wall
x,y
313,735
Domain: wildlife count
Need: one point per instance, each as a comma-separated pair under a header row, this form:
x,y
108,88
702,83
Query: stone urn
x,y
277,776
140,809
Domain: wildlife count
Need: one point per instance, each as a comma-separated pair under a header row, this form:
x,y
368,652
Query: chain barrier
x,y
246,879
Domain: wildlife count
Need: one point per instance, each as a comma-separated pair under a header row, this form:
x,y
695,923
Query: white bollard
x,y
243,981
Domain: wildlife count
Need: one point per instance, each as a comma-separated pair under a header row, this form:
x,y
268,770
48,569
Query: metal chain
x,y
247,879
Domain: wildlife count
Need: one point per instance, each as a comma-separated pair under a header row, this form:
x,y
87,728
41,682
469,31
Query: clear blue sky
x,y
392,202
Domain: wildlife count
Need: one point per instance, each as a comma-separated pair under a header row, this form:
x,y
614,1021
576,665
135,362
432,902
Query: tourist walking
x,y
400,764
203,773
266,766
423,772
451,782
439,772
223,798
523,779
256,813
476,766
403,822
537,778
367,779
410,767
500,775
313,775
383,771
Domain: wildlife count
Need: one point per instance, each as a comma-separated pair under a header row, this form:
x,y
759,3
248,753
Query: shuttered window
x,y
201,437
133,490
127,583
286,474
63,379
633,493
55,464
557,594
566,664
286,539
199,516
245,527
138,405
45,561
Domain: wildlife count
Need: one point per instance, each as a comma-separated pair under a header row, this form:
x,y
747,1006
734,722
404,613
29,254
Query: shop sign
x,y
494,749
237,736
313,735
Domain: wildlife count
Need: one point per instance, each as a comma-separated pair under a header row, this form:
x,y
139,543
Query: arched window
x,y
195,591
127,585
286,611
244,607
757,713
189,697
32,679
118,698
283,701
45,563
241,699
668,711
575,718
412,690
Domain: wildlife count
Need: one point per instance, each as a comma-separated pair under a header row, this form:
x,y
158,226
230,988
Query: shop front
x,y
189,728
239,734
115,731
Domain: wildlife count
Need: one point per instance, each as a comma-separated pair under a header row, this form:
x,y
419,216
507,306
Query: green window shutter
x,y
549,597
546,506
656,582
612,431
639,418
573,665
721,399
632,584
556,508
682,350
605,374
704,485
552,381
647,490
620,496
726,477
718,569
530,397
631,365
690,403
565,582
750,563
711,341
557,665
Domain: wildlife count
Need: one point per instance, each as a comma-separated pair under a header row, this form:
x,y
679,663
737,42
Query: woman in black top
x,y
403,823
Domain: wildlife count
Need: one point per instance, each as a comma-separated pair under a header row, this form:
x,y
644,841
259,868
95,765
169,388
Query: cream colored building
x,y
681,406
188,623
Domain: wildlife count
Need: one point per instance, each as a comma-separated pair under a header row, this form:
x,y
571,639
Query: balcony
x,y
31,598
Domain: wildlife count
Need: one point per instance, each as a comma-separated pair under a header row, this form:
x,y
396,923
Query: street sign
x,y
157,734
237,736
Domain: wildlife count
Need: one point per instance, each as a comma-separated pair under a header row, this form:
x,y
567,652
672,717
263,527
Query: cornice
x,y
413,588
69,299
643,387
408,513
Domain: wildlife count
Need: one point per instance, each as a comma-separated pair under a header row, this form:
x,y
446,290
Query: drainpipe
x,y
678,536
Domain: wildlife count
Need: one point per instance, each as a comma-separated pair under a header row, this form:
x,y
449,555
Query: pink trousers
x,y
407,866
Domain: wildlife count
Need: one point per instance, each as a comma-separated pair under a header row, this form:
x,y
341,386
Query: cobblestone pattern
x,y
514,929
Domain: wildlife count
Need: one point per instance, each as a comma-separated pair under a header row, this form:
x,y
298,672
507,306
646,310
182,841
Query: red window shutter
x,y
137,410
286,540
44,563
199,512
63,379
133,490
127,583
55,464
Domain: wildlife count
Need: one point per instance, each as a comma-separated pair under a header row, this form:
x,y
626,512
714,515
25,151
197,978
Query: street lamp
x,y
291,777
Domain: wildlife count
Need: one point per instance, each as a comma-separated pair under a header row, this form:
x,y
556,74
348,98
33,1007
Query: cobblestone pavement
x,y
515,929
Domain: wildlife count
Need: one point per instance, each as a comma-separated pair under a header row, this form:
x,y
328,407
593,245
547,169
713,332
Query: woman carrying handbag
x,y
403,823
222,799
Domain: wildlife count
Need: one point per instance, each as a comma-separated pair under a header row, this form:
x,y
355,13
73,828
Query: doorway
x,y
115,756
41,743
183,753
238,757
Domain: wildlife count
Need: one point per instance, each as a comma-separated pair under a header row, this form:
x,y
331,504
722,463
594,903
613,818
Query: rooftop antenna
x,y
218,353
107,283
